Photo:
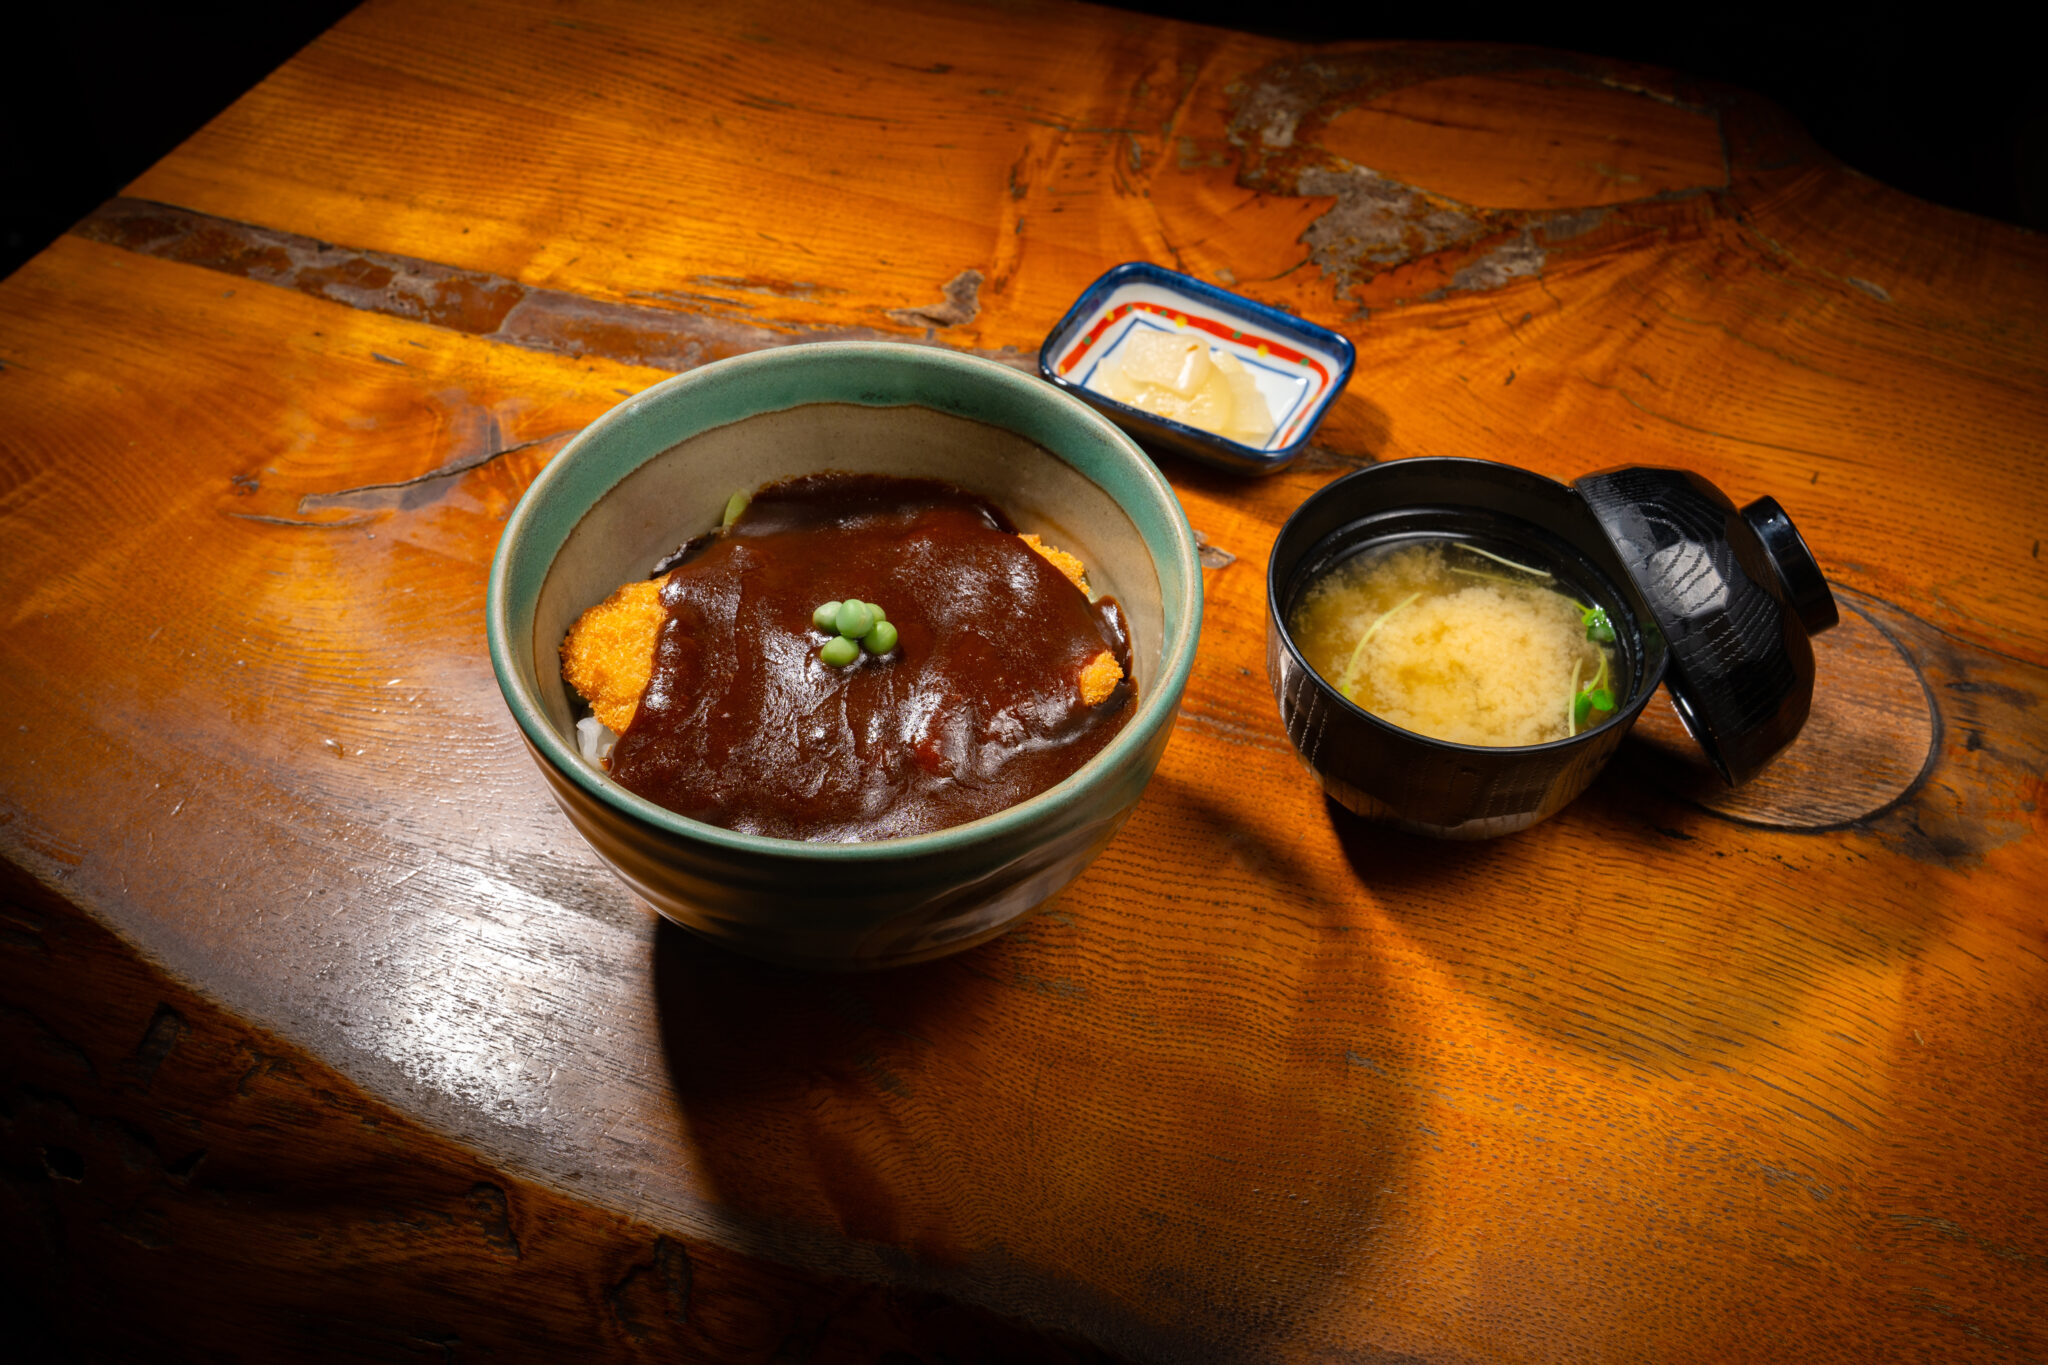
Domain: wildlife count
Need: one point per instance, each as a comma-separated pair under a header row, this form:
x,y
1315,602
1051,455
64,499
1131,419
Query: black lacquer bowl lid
x,y
1738,596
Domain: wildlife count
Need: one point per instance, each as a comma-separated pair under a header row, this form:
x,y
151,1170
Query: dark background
x,y
1938,101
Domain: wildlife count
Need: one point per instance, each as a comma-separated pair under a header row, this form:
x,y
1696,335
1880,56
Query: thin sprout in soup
x,y
1459,643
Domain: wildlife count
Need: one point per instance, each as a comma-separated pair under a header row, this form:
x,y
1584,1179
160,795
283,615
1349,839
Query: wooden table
x,y
325,1035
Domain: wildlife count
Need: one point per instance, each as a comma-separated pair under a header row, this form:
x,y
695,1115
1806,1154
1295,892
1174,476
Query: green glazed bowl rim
x,y
872,374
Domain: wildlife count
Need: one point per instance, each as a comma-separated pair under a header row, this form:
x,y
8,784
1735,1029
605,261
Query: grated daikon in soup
x,y
1460,644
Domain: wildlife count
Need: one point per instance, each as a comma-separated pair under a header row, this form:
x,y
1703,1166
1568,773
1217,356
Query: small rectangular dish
x,y
1297,367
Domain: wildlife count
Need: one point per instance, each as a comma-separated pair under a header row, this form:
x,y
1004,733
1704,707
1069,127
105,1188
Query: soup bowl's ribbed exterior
x,y
1451,791
1395,776
891,901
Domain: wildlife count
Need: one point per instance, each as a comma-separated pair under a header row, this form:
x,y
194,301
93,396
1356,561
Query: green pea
x,y
880,615
735,505
881,639
826,617
854,618
839,651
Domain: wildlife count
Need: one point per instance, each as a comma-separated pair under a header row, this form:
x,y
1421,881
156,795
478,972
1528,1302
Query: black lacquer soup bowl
x,y
1717,602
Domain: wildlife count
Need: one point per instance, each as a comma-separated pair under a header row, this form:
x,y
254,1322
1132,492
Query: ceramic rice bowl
x,y
657,470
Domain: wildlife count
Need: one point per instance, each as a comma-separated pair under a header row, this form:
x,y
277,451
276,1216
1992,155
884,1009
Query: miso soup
x,y
1460,643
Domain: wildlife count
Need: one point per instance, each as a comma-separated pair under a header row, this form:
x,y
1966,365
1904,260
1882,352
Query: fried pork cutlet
x,y
608,655
1099,678
1060,560
1102,673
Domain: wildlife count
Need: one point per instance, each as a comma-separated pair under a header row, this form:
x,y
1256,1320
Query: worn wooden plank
x,y
1800,327
180,1185
1681,1074
1243,964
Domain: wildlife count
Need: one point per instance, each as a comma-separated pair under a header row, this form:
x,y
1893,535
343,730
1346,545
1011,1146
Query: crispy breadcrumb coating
x,y
608,655
1102,673
1100,678
1062,561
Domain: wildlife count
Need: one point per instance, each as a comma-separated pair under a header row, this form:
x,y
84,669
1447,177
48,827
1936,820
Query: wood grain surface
x,y
325,1034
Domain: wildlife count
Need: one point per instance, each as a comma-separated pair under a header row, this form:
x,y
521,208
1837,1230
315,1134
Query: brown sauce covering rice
x,y
996,674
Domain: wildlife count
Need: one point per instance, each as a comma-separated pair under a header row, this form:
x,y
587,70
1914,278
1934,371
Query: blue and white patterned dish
x,y
1300,368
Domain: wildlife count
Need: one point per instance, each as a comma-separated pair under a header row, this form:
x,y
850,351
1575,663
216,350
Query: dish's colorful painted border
x,y
1228,333
1240,324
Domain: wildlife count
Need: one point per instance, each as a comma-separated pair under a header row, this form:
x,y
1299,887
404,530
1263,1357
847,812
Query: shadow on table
x,y
1393,861
1165,1118
1650,965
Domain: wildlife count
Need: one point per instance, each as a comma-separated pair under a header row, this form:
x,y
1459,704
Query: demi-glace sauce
x,y
977,707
